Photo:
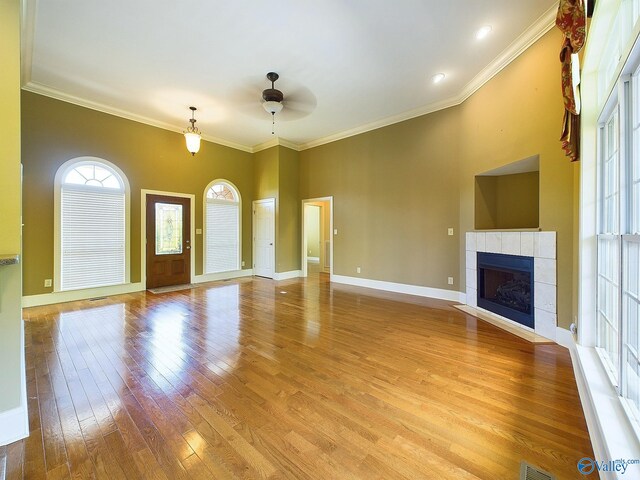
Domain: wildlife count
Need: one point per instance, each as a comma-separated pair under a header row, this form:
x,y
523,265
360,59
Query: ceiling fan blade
x,y
298,104
247,99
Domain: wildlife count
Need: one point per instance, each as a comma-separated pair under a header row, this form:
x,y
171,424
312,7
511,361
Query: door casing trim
x,y
303,259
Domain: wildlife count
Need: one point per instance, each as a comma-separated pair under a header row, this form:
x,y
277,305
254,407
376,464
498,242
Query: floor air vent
x,y
529,472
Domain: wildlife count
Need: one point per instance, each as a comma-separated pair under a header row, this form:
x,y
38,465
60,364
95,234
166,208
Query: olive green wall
x,y
398,188
150,157
486,203
266,178
312,223
289,226
11,346
395,194
276,176
507,201
516,115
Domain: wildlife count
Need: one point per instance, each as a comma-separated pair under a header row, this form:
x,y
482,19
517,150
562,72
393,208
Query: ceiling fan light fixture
x,y
192,134
272,107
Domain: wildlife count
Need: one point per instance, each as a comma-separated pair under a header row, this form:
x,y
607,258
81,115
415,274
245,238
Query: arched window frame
x,y
60,176
206,201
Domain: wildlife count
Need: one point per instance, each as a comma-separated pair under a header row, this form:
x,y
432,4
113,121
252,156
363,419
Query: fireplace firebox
x,y
505,286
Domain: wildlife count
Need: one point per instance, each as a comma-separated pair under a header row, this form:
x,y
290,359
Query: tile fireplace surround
x,y
539,245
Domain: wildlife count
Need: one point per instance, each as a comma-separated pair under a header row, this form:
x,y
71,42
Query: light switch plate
x,y
198,231
450,231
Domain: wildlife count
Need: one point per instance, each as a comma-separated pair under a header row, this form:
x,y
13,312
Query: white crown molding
x,y
532,34
58,95
541,26
274,143
385,122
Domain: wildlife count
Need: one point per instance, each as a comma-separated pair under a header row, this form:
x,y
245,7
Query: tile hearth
x,y
539,245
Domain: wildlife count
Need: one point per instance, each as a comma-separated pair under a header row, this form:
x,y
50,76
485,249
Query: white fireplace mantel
x,y
539,245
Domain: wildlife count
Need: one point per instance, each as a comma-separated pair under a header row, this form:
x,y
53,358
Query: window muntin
x,y
608,281
222,228
222,191
618,243
94,175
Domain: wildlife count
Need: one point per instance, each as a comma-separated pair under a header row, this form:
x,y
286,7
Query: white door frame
x,y
253,233
143,230
304,237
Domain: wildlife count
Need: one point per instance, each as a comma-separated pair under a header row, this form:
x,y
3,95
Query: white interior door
x,y
264,237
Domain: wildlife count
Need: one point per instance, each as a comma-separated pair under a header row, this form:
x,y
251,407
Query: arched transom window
x,y
92,229
222,191
222,227
94,175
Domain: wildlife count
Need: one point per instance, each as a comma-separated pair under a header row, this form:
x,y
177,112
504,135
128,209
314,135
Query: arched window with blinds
x,y
222,227
91,242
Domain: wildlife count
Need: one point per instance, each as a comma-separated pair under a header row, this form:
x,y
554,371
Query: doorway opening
x,y
317,237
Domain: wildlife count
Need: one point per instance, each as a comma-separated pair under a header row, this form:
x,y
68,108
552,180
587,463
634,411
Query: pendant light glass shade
x,y
192,134
193,142
272,107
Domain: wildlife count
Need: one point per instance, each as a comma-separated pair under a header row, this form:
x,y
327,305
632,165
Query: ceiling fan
x,y
297,102
272,99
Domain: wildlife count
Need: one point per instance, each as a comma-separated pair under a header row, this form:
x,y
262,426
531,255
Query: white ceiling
x,y
361,63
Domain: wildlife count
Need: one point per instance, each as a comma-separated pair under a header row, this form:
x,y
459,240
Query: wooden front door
x,y
168,241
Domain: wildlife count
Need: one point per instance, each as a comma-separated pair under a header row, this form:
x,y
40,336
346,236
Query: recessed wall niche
x,y
508,197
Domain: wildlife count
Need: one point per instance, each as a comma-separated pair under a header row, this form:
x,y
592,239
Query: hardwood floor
x,y
299,379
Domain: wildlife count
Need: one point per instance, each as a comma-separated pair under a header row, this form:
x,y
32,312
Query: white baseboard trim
x,y
214,277
287,275
14,423
85,294
441,294
313,260
612,435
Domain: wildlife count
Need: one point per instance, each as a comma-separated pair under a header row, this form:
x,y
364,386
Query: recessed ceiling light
x,y
483,32
438,77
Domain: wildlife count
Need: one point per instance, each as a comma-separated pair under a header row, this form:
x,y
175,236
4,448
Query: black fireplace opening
x,y
505,286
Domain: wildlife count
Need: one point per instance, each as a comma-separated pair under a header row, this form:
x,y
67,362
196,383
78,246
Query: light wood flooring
x,y
299,379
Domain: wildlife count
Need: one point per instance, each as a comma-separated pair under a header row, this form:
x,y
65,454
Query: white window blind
x,y
92,237
222,236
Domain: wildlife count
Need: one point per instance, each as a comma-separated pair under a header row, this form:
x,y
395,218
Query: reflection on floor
x,y
253,378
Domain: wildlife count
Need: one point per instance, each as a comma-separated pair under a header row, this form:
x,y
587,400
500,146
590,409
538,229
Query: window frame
x,y
61,174
623,102
205,202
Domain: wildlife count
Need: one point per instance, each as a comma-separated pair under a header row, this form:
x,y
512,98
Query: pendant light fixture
x,y
192,134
